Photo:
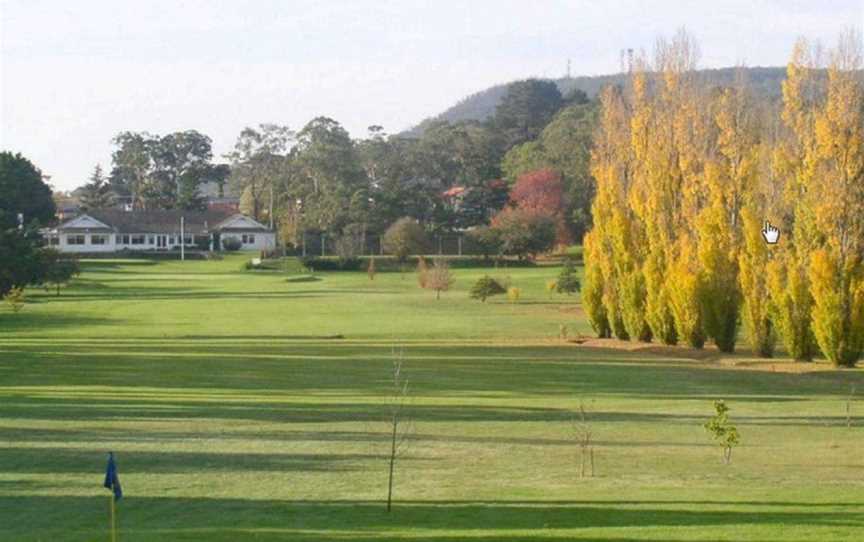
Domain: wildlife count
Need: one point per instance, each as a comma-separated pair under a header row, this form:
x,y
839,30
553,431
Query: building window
x,y
53,240
151,240
139,239
248,239
187,240
75,240
122,239
98,239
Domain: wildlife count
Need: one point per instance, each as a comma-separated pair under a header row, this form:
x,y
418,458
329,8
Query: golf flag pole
x,y
112,482
113,518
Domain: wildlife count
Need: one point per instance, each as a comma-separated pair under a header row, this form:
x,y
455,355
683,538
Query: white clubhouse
x,y
117,230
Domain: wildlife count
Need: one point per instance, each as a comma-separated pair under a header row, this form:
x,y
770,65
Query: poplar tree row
x,y
686,177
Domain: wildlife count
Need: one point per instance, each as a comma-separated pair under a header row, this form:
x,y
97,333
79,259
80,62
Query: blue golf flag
x,y
112,481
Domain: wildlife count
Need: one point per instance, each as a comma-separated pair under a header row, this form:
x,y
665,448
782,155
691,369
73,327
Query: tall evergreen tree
x,y
97,193
526,109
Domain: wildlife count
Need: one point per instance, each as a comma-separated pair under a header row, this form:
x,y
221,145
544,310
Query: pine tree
x,y
97,193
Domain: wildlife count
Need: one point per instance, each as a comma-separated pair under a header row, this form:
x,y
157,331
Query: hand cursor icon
x,y
770,233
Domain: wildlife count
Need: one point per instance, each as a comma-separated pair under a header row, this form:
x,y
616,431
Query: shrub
x,y
505,282
513,294
486,287
231,244
15,299
389,263
405,237
331,264
568,282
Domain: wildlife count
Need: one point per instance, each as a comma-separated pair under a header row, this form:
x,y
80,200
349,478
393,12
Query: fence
x,y
315,244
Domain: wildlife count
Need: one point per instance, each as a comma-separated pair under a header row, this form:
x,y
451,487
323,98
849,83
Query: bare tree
x,y
370,270
583,435
439,277
400,427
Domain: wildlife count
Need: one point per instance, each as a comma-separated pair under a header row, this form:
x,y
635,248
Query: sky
x,y
75,73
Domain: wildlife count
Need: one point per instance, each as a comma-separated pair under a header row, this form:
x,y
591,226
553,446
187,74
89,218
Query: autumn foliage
x,y
542,192
686,177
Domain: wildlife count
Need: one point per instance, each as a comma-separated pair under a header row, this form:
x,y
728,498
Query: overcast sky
x,y
75,73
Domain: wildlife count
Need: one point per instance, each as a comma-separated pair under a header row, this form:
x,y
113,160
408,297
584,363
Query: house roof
x,y
454,191
167,221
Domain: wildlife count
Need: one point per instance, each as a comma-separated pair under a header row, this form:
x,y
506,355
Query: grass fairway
x,y
236,413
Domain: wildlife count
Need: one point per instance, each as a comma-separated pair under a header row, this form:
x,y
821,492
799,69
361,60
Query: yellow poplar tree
x,y
660,127
592,290
752,263
614,247
836,193
686,294
730,178
789,285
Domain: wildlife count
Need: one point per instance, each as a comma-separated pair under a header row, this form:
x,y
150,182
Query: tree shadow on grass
x,y
283,365
40,321
155,518
83,460
166,294
129,407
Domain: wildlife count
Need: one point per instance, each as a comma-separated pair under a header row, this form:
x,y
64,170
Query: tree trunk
x,y
270,212
392,463
582,462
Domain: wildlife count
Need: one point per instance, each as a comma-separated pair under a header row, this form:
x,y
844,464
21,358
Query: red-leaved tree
x,y
542,192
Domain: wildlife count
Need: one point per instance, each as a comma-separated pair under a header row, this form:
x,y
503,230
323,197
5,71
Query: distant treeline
x,y
764,82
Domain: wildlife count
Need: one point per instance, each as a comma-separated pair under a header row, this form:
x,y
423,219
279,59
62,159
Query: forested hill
x,y
479,106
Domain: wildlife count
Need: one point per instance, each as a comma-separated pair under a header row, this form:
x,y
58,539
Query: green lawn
x,y
242,405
